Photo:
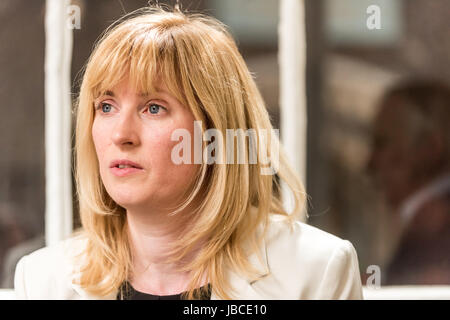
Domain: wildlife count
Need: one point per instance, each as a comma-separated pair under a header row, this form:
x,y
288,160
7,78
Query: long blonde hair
x,y
198,60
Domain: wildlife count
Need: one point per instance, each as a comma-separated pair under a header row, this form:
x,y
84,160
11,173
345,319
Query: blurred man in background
x,y
410,163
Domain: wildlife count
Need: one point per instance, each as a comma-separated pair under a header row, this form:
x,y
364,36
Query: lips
x,y
125,162
125,167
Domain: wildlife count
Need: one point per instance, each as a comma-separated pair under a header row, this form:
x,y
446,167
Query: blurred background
x,y
377,113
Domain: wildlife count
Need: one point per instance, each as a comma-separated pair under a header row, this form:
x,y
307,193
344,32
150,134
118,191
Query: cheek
x,y
98,137
160,146
101,142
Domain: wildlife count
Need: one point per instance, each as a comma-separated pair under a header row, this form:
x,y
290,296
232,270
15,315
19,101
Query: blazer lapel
x,y
84,295
246,288
80,293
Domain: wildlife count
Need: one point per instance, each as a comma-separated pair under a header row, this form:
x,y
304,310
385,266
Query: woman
x,y
168,209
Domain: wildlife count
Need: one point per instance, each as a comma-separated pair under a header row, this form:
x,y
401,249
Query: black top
x,y
129,293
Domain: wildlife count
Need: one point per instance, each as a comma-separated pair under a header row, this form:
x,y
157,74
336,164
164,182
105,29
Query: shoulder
x,y
47,272
303,239
319,264
299,232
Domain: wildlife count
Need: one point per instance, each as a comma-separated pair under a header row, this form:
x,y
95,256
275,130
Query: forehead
x,y
134,54
126,87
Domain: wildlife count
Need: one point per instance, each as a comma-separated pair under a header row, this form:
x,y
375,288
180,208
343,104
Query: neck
x,y
151,232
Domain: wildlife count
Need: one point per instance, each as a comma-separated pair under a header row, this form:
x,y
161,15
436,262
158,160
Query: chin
x,y
127,198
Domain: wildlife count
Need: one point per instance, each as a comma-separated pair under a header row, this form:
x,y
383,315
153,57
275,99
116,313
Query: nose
x,y
126,130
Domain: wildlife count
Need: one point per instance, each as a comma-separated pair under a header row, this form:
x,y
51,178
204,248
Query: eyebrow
x,y
111,93
108,93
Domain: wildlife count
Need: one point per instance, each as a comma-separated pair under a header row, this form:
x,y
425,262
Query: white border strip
x,y
436,292
292,68
58,55
7,294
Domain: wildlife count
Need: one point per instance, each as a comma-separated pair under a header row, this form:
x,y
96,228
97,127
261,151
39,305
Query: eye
x,y
106,107
154,108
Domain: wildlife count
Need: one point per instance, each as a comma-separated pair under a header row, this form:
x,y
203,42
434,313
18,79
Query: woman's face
x,y
130,126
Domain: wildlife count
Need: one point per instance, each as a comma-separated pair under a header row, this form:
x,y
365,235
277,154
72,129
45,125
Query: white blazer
x,y
307,263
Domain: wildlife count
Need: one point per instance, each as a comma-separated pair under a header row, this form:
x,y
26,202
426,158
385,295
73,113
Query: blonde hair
x,y
201,66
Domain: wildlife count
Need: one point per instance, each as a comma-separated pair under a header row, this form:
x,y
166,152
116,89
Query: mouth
x,y
124,167
120,171
124,164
